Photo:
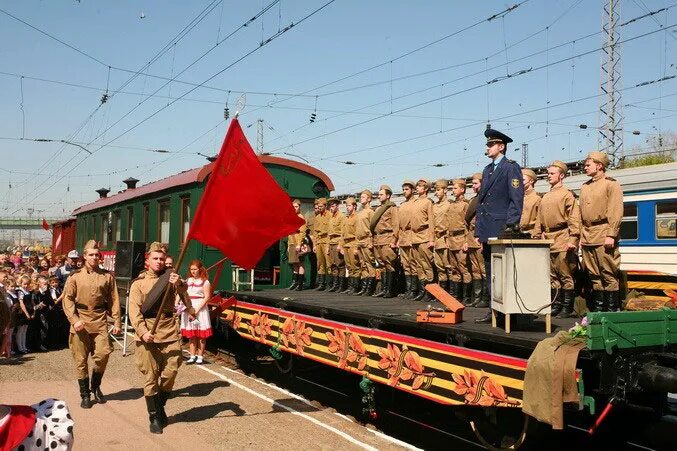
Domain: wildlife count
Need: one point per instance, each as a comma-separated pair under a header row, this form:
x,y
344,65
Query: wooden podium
x,y
520,279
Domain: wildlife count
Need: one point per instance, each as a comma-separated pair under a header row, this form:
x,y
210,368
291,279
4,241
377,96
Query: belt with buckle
x,y
596,222
457,232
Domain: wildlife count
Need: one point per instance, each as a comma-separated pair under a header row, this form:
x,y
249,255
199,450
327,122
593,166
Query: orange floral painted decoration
x,y
404,365
349,349
260,326
295,333
482,391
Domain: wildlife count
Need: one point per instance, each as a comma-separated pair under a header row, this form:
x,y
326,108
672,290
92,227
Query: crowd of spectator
x,y
31,293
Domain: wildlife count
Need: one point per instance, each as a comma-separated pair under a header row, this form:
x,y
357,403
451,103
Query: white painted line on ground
x,y
349,438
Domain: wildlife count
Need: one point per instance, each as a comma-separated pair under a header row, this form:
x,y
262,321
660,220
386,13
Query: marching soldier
x,y
89,296
404,242
423,238
460,285
348,245
601,206
336,262
500,199
158,355
442,221
479,297
532,202
385,227
560,220
321,229
365,245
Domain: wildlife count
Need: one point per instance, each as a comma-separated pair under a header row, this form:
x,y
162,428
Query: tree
x,y
661,148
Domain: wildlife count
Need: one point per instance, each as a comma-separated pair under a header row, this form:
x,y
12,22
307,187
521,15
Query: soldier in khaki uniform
x,y
532,202
559,220
385,227
294,242
158,355
404,242
441,216
365,245
348,247
337,264
423,238
89,296
321,233
601,214
479,297
460,278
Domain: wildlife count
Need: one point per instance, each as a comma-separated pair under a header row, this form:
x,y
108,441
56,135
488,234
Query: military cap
x,y
529,173
73,254
408,182
426,181
561,165
333,200
385,188
477,176
156,246
368,193
91,244
458,182
599,157
322,201
350,200
494,136
441,183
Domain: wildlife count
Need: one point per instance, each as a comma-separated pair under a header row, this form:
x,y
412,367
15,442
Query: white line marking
x,y
349,438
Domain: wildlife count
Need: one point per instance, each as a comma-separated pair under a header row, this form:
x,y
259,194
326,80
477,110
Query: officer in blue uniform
x,y
500,200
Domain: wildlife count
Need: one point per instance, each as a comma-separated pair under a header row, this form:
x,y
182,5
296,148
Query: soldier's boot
x,y
294,281
300,278
484,301
476,292
350,286
321,282
343,285
613,300
466,288
407,287
86,402
162,414
363,287
371,286
427,296
153,406
453,289
420,284
96,387
556,306
568,305
331,284
414,288
391,290
336,287
599,301
385,280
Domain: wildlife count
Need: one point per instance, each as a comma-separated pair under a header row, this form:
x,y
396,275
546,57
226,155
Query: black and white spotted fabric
x,y
53,428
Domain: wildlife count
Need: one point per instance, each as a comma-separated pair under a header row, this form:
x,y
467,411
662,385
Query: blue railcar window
x,y
666,220
629,222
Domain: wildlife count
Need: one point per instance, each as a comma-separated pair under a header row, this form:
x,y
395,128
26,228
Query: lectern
x,y
520,279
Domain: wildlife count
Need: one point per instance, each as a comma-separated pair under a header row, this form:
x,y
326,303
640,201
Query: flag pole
x,y
165,296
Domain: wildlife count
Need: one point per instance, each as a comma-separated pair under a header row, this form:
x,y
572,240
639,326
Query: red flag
x,y
44,224
243,211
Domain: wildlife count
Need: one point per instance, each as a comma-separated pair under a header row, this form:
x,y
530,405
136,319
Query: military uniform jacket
x,y
348,237
529,219
404,211
362,227
457,227
470,220
422,222
559,218
388,227
322,228
168,328
335,227
89,296
310,224
441,219
297,238
500,199
601,210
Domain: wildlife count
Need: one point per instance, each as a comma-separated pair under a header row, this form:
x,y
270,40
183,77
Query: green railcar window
x,y
130,223
163,222
185,217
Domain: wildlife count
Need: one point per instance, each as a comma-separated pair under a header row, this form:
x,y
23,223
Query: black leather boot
x,y
86,402
96,387
336,288
613,300
371,286
343,284
414,288
466,289
453,289
331,284
427,297
162,414
485,319
476,293
599,301
385,276
485,300
391,290
352,282
153,406
420,284
322,282
568,305
556,306
362,287
300,278
407,287
294,281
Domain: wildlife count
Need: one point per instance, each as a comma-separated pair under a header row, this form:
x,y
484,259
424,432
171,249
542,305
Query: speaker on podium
x,y
129,259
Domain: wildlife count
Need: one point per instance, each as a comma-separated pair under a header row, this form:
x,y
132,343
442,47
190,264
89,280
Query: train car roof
x,y
196,175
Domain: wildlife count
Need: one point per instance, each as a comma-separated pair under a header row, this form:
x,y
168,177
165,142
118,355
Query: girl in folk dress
x,y
200,329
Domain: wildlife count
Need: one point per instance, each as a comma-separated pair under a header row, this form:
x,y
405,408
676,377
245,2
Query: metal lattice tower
x,y
525,155
610,114
259,135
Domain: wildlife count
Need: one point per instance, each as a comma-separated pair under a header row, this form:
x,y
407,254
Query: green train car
x,y
162,211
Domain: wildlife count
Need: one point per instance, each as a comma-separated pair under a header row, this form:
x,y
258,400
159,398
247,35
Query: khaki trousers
x,y
366,259
441,258
321,252
458,260
603,266
159,363
386,255
83,344
476,261
337,264
424,261
352,261
562,267
408,260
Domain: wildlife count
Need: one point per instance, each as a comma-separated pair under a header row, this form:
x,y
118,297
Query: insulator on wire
x,y
226,113
104,98
313,115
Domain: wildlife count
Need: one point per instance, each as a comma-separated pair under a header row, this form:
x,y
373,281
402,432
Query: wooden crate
x,y
452,314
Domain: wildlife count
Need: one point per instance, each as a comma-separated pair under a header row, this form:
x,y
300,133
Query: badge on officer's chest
x,y
515,183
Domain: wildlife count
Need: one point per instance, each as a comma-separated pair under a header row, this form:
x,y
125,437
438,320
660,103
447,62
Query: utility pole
x,y
259,135
525,155
610,114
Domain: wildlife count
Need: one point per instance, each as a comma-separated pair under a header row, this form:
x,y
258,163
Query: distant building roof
x,y
195,175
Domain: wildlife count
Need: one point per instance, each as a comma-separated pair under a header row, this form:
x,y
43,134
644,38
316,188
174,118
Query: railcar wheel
x,y
494,434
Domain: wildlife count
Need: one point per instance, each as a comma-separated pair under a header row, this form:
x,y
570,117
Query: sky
x,y
400,90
